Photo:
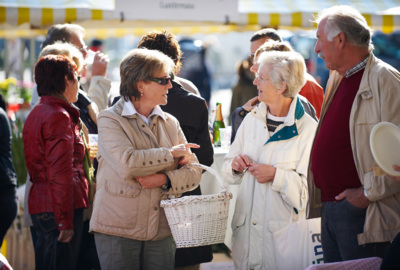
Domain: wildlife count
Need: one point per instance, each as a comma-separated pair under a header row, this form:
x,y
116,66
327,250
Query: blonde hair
x,y
287,67
67,49
272,45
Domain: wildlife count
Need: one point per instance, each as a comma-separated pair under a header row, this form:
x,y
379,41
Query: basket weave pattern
x,y
198,220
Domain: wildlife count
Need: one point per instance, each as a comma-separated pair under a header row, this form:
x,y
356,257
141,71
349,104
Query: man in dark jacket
x,y
192,114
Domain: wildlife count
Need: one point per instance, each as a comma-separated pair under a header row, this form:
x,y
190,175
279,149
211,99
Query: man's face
x,y
327,50
78,42
254,45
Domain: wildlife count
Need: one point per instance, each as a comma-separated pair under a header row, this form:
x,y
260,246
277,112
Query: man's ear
x,y
341,40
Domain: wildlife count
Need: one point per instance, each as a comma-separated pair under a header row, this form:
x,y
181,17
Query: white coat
x,y
262,209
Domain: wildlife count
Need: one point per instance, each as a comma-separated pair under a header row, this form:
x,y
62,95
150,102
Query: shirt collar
x,y
129,109
357,68
290,129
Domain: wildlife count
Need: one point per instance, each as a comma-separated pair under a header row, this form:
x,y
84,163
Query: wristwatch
x,y
167,184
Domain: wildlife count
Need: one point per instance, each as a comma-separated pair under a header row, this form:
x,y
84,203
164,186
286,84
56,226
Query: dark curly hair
x,y
50,72
164,42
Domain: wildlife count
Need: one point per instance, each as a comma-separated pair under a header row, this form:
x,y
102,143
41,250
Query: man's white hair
x,y
348,20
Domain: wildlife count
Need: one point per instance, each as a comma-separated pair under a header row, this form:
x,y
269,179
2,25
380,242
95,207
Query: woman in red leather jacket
x,y
54,154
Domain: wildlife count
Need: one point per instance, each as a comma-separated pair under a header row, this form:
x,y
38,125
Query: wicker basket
x,y
199,220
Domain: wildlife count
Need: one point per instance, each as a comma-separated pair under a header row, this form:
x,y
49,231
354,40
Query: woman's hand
x,y
262,172
152,180
182,151
240,163
65,236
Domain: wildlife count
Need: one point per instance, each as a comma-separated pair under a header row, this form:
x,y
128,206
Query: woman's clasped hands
x,y
181,152
263,173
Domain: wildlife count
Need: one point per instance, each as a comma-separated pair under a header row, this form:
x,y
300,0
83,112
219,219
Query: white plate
x,y
385,146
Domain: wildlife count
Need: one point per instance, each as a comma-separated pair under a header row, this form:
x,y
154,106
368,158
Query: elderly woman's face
x,y
71,89
154,92
267,92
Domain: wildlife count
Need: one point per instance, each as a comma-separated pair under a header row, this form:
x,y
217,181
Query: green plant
x,y
6,85
16,91
17,151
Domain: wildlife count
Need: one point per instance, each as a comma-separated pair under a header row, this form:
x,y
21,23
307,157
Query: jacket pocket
x,y
285,161
276,225
45,221
238,221
120,205
123,189
372,120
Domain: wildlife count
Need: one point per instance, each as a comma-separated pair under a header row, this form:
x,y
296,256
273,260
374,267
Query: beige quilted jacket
x,y
128,148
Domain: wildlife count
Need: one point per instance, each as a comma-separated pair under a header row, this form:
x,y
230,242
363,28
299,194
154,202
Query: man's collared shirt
x,y
129,109
357,67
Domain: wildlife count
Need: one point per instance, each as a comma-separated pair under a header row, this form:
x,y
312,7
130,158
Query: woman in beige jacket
x,y
143,156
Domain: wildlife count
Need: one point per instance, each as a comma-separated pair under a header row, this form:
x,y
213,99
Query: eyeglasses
x,y
78,78
163,81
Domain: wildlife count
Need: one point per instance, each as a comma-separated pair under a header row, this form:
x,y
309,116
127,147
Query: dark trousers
x,y
341,222
391,261
88,259
51,254
8,209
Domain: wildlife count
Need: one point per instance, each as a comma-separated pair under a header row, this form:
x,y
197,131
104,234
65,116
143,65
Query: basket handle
x,y
213,172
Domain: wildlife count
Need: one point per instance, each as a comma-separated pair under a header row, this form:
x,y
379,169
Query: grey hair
x,y
62,32
287,67
140,65
348,20
67,49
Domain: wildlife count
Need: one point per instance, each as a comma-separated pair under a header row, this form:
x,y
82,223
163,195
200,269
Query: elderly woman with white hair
x,y
269,160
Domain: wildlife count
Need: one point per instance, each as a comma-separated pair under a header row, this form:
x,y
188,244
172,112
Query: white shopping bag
x,y
298,245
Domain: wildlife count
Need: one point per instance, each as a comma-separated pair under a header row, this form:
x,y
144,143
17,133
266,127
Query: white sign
x,y
178,10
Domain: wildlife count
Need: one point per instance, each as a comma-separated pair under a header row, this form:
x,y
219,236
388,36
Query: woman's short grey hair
x,y
288,67
348,20
141,65
67,49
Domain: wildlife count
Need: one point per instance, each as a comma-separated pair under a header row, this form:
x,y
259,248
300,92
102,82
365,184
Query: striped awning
x,y
102,19
380,14
39,13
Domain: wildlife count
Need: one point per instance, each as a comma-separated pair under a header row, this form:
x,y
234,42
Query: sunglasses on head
x,y
163,81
